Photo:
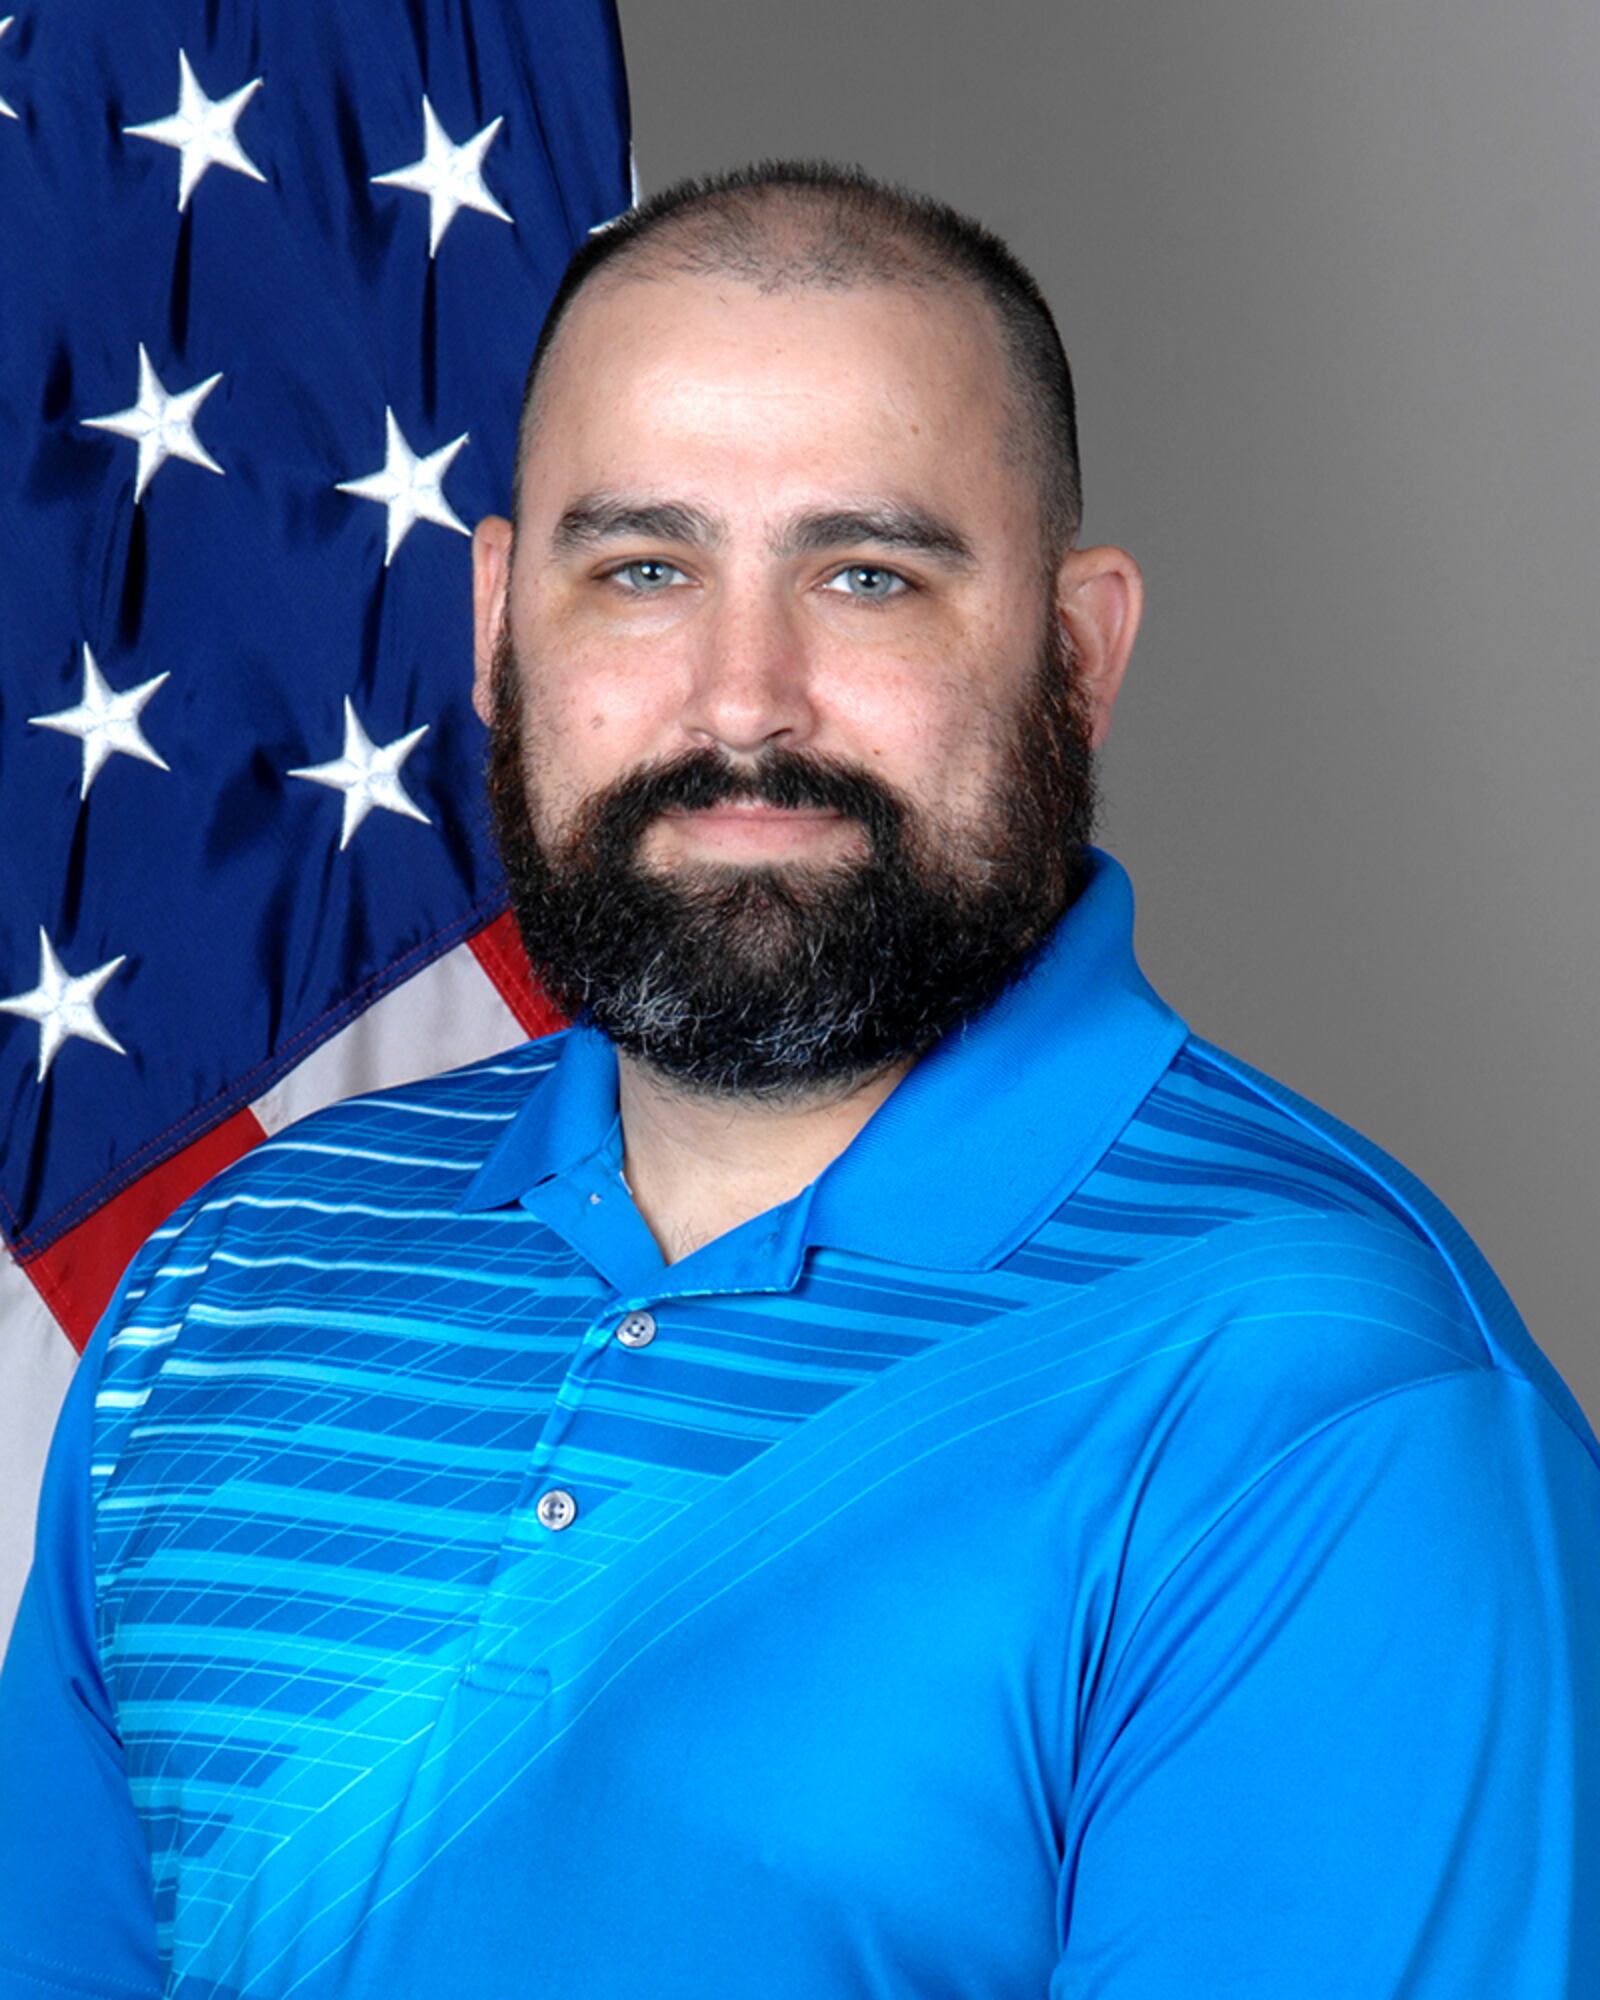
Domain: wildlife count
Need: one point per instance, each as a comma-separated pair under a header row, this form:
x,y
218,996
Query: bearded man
x,y
877,1463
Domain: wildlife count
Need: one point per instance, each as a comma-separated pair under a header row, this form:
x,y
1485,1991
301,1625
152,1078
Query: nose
x,y
750,680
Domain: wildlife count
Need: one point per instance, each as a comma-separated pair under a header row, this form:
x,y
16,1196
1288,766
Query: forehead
x,y
709,379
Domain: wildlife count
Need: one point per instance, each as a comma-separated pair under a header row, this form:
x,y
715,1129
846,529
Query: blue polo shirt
x,y
1109,1538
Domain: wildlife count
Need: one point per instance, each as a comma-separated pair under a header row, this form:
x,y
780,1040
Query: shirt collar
x,y
989,1132
570,1116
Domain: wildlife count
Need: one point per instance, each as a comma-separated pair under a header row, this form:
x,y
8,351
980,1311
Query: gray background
x,y
1329,277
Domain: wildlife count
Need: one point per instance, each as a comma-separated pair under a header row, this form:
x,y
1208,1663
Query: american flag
x,y
269,278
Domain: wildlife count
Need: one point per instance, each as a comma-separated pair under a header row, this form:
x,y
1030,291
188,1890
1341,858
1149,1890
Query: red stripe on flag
x,y
498,949
78,1273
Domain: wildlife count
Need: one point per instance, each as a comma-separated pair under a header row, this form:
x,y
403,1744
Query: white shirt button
x,y
637,1329
557,1508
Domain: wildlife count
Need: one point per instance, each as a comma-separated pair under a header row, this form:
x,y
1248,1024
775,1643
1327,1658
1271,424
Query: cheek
x,y
584,728
556,737
920,727
587,712
607,691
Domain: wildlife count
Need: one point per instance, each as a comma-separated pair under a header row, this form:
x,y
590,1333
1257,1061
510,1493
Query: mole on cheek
x,y
597,722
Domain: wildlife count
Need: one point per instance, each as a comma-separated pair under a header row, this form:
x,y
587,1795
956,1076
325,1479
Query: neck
x,y
698,1165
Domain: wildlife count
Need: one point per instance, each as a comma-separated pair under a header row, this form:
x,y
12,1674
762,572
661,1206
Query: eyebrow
x,y
602,517
891,526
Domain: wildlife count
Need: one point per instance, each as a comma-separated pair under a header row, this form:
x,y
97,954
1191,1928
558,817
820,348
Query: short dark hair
x,y
784,225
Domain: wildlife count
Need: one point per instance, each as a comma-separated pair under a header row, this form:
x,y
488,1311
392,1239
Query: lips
x,y
752,825
754,811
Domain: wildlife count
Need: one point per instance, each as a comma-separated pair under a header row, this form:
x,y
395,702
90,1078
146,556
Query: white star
x,y
161,425
451,176
5,109
368,774
107,723
63,1006
410,487
202,131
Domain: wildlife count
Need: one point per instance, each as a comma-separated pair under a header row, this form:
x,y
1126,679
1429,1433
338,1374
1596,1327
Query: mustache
x,y
701,779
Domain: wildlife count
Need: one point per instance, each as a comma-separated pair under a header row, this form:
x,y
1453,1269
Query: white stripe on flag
x,y
448,1014
36,1363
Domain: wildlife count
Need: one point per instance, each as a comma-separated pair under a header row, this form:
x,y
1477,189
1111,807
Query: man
x,y
876,1464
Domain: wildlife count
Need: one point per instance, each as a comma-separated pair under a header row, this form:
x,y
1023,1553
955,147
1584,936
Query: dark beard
x,y
780,981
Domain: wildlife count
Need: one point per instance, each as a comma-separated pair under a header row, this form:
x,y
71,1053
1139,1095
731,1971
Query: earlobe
x,y
491,584
1100,600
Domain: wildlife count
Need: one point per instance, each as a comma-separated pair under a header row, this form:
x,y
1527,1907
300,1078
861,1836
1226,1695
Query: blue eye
x,y
868,583
646,576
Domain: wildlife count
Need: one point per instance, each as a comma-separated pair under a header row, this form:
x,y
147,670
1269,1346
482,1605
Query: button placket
x,y
556,1507
508,1638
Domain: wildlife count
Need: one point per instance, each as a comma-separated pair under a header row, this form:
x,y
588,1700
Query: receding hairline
x,y
640,268
790,227
783,238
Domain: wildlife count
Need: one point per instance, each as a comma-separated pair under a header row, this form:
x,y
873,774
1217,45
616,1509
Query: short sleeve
x,y
1352,1746
76,1905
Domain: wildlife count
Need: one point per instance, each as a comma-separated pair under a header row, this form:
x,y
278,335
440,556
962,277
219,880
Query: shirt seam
x,y
1495,1371
42,1971
1328,1424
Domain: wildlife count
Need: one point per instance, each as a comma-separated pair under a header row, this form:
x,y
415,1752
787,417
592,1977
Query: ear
x,y
491,581
1099,599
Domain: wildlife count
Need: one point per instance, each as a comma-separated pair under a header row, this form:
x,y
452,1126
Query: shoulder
x,y
358,1179
421,1139
1312,1271
455,1115
1336,1360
